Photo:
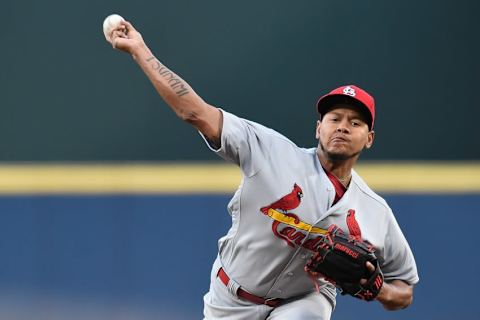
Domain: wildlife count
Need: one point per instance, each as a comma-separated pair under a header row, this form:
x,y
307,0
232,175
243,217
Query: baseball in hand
x,y
111,23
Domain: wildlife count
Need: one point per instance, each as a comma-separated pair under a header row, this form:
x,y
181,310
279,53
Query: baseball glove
x,y
341,259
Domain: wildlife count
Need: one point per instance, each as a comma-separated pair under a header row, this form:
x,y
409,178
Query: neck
x,y
342,169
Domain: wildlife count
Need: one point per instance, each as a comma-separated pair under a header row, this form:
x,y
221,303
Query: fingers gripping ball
x,y
342,260
111,23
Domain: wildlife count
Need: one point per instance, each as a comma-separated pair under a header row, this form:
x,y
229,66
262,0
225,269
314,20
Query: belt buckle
x,y
271,302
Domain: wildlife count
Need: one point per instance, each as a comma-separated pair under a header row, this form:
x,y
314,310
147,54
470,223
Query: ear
x,y
317,130
370,138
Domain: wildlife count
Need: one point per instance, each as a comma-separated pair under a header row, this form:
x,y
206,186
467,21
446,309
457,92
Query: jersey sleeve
x,y
399,262
244,143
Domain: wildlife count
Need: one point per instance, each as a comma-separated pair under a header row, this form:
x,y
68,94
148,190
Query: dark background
x,y
140,258
66,95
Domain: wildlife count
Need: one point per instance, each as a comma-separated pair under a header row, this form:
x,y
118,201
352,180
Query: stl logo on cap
x,y
349,91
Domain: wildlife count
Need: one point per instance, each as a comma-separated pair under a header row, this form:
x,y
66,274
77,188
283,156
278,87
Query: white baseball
x,y
111,23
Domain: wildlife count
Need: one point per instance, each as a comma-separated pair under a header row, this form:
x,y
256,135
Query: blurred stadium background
x,y
110,207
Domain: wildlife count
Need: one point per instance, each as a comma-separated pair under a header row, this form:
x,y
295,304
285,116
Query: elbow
x,y
408,302
188,116
193,114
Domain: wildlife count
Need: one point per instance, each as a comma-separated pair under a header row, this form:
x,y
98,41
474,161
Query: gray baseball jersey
x,y
283,206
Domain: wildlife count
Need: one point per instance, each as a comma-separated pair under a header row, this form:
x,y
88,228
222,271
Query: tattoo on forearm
x,y
174,81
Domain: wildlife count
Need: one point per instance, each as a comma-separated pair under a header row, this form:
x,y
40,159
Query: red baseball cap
x,y
351,95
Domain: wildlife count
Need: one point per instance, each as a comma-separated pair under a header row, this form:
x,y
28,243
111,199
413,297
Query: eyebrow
x,y
356,115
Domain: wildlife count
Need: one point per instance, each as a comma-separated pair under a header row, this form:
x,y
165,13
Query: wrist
x,y
394,297
140,51
384,294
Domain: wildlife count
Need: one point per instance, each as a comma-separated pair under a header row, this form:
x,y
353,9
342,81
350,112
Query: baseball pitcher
x,y
304,224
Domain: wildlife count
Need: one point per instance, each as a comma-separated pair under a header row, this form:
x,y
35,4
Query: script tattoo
x,y
175,83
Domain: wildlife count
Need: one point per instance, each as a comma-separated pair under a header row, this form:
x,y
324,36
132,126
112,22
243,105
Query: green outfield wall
x,y
67,96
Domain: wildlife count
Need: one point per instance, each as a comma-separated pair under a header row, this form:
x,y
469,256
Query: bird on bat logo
x,y
287,202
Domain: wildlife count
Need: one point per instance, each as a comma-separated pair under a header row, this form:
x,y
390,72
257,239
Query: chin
x,y
338,155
